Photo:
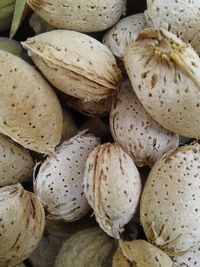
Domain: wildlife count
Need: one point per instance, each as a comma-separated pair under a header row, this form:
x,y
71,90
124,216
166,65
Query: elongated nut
x,y
165,74
136,131
75,63
79,15
59,181
22,222
16,164
169,207
112,186
141,254
30,112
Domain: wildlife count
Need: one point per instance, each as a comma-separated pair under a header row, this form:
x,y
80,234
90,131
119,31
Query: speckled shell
x,y
86,248
167,80
136,131
75,63
29,110
123,33
189,259
59,183
141,254
180,17
22,222
169,208
112,186
16,164
80,15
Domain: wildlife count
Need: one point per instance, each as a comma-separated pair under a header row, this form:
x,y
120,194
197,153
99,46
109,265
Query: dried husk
x,y
79,15
169,207
22,222
136,131
59,181
165,74
75,64
112,186
139,253
90,247
30,112
16,164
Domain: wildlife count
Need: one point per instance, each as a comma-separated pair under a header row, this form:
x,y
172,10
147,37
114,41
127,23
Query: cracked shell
x,y
180,17
190,259
79,15
90,247
22,222
75,63
30,112
59,183
123,33
167,80
169,207
16,164
136,131
141,254
112,186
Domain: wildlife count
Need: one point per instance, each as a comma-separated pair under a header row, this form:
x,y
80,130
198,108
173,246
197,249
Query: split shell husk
x,y
136,131
30,112
16,164
165,74
90,247
59,183
141,254
75,64
22,221
112,186
79,15
123,33
169,207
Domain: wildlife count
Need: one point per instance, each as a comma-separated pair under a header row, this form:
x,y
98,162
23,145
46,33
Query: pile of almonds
x,y
99,131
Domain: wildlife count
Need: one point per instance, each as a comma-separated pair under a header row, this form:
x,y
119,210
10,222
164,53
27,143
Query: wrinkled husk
x,y
90,247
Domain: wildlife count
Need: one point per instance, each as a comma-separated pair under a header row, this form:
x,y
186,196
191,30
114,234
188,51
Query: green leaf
x,y
19,14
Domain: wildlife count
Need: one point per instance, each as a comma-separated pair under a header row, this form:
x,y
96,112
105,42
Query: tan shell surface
x,y
180,17
69,126
90,247
22,222
169,208
80,15
190,259
136,131
165,74
140,253
75,63
123,33
112,186
59,183
30,112
16,164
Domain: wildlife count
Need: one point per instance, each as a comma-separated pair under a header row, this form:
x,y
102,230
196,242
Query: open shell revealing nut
x,y
22,222
16,164
136,131
180,17
165,74
80,15
59,181
169,207
141,254
112,186
86,248
123,33
30,112
75,63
